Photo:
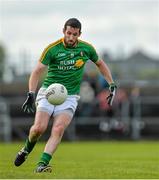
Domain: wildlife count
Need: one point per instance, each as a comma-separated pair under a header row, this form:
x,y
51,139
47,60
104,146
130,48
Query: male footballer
x,y
65,60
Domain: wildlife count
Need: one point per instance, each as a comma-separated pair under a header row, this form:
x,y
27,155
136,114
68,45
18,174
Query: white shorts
x,y
69,106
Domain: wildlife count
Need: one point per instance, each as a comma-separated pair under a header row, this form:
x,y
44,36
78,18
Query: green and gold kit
x,y
66,64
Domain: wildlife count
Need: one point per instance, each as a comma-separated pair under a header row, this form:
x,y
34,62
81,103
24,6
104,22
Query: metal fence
x,y
136,119
5,121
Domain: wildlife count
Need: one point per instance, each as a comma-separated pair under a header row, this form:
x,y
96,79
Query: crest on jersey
x,y
81,53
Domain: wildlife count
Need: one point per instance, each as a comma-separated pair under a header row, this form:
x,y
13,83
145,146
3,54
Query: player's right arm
x,y
29,105
35,76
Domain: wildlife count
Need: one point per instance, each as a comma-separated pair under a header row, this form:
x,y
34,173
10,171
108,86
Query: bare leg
x,y
39,126
61,122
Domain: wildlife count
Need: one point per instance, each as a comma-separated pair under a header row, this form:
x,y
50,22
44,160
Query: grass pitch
x,y
86,160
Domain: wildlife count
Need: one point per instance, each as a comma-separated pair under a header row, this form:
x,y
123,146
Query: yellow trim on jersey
x,y
63,42
86,43
48,47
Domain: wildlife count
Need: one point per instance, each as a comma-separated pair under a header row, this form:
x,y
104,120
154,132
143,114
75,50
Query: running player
x,y
65,60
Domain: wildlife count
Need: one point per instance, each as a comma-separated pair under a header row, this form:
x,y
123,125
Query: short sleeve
x,y
93,54
45,57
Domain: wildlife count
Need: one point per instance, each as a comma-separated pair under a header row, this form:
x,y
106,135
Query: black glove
x,y
112,89
29,104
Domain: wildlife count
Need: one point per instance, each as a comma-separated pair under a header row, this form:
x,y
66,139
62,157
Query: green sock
x,y
45,158
29,145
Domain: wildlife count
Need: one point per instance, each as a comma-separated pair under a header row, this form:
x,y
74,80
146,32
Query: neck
x,y
70,46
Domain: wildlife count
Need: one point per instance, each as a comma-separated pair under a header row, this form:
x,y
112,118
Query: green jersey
x,y
66,65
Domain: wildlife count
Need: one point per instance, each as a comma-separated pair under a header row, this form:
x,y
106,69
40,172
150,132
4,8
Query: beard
x,y
70,43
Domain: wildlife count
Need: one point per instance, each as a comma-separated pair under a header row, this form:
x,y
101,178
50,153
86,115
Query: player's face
x,y
71,35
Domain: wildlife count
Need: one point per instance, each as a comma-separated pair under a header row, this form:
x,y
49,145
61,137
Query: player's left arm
x,y
105,71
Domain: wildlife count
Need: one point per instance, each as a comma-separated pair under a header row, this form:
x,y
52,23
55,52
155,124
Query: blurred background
x,y
125,34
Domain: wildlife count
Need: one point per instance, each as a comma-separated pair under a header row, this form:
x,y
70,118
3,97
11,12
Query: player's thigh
x,y
41,119
63,119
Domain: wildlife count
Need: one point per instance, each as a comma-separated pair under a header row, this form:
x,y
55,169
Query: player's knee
x,y
58,129
38,130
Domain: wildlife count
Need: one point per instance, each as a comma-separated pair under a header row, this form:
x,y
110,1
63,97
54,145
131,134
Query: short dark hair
x,y
73,22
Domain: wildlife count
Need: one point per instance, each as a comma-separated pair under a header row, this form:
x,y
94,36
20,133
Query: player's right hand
x,y
29,104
